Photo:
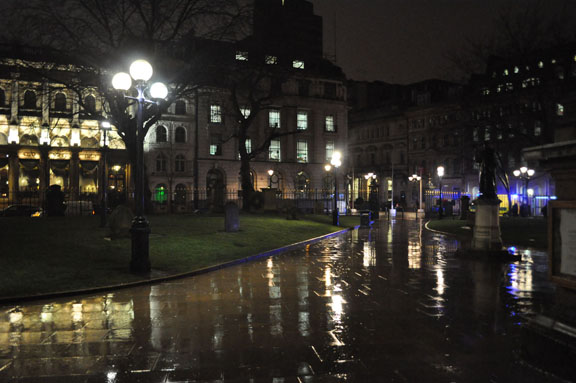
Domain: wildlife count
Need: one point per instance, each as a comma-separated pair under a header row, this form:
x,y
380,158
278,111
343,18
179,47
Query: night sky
x,y
404,41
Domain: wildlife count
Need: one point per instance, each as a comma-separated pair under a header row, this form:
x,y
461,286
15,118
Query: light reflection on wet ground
x,y
382,304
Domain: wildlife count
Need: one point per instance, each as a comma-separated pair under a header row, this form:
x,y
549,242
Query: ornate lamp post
x,y
525,174
141,71
105,127
440,172
416,178
336,161
270,174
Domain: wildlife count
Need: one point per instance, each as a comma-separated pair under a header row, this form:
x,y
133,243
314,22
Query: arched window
x,y
90,104
302,182
180,194
180,107
60,102
160,194
29,100
180,163
2,97
180,135
161,134
161,163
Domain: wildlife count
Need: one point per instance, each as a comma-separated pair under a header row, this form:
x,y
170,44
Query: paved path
x,y
388,304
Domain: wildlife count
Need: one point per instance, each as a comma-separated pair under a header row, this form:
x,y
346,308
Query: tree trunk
x,y
246,181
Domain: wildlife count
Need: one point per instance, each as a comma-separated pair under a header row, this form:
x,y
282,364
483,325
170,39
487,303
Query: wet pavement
x,y
387,304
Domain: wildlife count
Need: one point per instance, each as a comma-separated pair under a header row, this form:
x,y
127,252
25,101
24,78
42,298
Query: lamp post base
x,y
140,230
335,217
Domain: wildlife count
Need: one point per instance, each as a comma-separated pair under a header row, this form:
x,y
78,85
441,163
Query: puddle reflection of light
x,y
337,307
440,282
414,255
77,312
328,277
16,316
369,254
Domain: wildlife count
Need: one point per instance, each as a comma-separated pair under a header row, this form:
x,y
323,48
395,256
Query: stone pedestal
x,y
486,235
269,199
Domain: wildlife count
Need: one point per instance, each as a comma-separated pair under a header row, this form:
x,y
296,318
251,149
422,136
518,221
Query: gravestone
x,y
232,217
120,222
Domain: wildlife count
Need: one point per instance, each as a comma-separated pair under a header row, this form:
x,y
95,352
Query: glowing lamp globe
x,y
516,173
158,90
121,81
141,70
531,172
440,171
327,167
336,159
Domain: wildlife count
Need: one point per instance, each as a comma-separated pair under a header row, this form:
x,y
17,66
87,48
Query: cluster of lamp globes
x,y
524,172
140,71
335,161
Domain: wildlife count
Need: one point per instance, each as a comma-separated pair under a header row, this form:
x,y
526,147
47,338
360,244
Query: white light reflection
x,y
440,282
111,376
369,258
337,308
328,277
15,316
77,312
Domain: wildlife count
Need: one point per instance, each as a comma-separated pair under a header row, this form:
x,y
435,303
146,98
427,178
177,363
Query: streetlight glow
x,y
327,167
270,172
141,70
440,171
121,81
158,90
531,172
516,173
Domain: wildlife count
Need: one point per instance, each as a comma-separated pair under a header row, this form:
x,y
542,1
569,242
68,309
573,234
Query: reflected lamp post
x,y
105,127
416,178
525,174
336,161
141,71
440,172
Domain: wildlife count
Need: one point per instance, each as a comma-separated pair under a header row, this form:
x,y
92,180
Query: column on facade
x,y
13,176
44,171
75,175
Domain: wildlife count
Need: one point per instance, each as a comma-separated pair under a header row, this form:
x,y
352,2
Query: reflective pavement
x,y
387,304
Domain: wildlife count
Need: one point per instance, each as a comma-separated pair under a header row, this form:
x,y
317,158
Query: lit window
x,y
485,91
537,128
179,163
215,114
505,72
487,134
215,145
509,86
540,64
248,146
298,64
302,151
475,134
274,151
553,61
329,150
245,112
274,118
241,55
302,122
271,60
329,125
559,109
516,69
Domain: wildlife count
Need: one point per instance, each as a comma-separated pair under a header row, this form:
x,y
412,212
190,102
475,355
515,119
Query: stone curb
x,y
269,253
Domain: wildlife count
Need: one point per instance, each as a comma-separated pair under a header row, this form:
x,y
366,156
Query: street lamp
x,y
416,178
440,172
270,174
105,127
336,161
141,71
525,174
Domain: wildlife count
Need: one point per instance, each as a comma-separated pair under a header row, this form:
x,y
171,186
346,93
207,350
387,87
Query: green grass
x,y
516,231
68,253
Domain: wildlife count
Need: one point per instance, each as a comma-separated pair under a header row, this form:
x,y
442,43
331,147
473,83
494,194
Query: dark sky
x,y
404,41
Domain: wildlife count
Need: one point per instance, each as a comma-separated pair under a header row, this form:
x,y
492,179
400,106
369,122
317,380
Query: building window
x,y
302,123
180,107
248,146
302,151
329,150
215,114
537,128
180,194
274,118
90,104
29,100
179,163
329,90
329,125
540,64
559,109
161,134
160,163
241,55
60,102
274,151
475,134
180,135
215,145
271,60
487,134
423,142
298,64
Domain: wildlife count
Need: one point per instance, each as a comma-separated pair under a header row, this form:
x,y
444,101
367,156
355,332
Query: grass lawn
x,y
68,253
516,231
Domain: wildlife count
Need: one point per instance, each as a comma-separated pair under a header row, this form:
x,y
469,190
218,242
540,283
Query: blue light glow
x,y
553,197
512,250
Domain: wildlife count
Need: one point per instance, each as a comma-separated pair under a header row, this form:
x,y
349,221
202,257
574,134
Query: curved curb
x,y
192,273
439,231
